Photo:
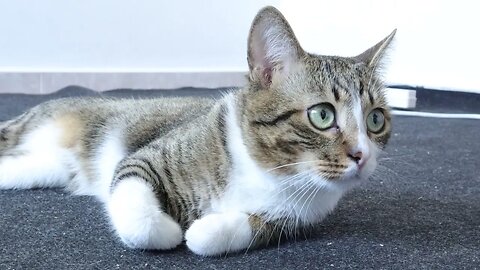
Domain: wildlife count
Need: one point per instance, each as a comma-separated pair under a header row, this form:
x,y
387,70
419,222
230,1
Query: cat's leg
x,y
33,158
221,233
135,210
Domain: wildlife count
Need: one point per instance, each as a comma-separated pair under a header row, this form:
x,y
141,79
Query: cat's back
x,y
125,107
137,121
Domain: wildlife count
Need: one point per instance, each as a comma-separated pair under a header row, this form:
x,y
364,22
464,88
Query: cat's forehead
x,y
325,77
341,81
336,71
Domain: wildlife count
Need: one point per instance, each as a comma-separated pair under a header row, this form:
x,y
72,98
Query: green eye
x,y
322,116
375,121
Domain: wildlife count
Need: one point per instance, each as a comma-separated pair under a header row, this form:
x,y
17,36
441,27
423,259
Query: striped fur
x,y
225,175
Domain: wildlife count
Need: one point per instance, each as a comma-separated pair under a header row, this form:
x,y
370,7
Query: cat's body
x,y
234,172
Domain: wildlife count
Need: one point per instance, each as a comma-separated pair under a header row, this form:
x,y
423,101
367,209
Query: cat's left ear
x,y
273,49
373,56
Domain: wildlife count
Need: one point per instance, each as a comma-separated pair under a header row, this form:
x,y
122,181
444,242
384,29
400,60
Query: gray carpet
x,y
421,211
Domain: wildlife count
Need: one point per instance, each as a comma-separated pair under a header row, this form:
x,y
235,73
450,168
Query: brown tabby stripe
x,y
20,131
127,175
151,168
338,166
168,176
305,144
183,203
303,136
287,147
303,129
136,167
221,122
335,93
338,83
222,136
361,88
143,170
140,170
3,134
370,97
22,122
226,161
327,68
282,117
94,134
159,188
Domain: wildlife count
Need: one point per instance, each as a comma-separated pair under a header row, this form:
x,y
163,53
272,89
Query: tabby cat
x,y
226,175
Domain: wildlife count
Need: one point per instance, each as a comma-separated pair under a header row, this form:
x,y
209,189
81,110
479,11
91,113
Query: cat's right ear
x,y
373,56
273,49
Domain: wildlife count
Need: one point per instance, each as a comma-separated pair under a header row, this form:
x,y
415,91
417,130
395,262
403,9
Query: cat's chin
x,y
343,183
354,176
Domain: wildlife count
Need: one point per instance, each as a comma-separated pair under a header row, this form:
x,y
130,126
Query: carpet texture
x,y
420,211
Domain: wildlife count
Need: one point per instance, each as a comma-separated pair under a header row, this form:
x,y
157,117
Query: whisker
x,y
310,197
301,188
303,193
310,200
286,181
293,164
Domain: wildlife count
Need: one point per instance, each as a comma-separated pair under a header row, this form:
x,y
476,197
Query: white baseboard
x,y
401,98
48,82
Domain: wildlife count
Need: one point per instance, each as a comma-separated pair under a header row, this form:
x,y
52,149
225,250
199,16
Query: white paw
x,y
217,234
137,218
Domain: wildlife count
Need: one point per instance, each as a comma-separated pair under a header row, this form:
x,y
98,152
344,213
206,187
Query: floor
x,y
421,210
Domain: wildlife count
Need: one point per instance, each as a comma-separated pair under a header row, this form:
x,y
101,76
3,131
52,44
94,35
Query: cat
x,y
225,175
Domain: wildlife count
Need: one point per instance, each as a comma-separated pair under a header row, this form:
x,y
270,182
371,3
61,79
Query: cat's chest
x,y
255,192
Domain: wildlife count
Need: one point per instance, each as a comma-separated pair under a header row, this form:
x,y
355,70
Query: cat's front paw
x,y
219,233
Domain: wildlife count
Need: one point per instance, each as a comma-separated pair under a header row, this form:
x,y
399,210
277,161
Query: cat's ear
x,y
272,47
373,56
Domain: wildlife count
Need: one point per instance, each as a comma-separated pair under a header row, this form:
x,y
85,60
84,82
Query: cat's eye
x,y
322,116
375,121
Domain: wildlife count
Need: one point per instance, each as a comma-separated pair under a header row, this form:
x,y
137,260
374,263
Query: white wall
x,y
124,35
437,41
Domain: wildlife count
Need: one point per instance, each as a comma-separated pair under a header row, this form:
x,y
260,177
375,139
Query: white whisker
x,y
292,164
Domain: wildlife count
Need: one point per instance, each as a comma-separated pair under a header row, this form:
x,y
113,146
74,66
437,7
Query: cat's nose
x,y
356,156
359,157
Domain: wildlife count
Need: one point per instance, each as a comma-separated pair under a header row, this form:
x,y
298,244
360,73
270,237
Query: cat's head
x,y
302,112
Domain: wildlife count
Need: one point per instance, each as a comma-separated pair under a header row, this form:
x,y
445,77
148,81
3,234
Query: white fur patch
x,y
358,114
364,144
215,234
41,162
138,219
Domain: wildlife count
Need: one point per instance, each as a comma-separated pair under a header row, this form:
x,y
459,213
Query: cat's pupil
x,y
323,114
375,118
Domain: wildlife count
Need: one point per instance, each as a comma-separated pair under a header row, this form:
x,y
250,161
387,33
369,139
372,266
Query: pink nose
x,y
358,157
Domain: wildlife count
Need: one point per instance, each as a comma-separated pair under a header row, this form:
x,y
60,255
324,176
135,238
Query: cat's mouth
x,y
328,170
349,172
